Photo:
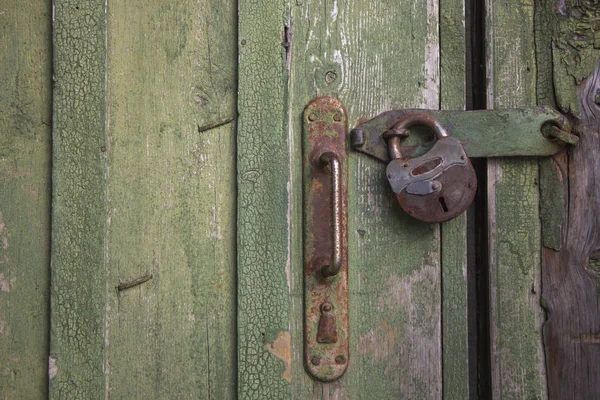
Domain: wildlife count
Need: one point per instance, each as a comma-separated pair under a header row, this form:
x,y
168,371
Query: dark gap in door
x,y
480,382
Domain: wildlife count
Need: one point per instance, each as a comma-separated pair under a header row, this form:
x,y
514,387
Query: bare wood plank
x,y
571,271
78,213
25,169
514,230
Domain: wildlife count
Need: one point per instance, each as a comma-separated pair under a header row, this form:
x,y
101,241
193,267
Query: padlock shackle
x,y
399,130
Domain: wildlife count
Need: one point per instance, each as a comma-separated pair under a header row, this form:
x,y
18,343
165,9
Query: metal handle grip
x,y
335,264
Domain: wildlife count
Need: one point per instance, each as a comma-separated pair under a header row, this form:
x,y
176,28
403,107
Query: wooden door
x,y
175,194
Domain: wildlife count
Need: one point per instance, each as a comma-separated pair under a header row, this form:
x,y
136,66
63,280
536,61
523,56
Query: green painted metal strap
x,y
485,133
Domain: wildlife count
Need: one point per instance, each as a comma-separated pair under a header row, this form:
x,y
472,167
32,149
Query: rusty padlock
x,y
434,187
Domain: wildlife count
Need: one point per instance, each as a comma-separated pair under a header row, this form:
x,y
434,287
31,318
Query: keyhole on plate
x,y
443,204
327,330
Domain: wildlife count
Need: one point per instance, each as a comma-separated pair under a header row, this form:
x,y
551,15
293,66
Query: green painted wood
x,y
144,206
394,261
78,211
170,200
25,152
335,48
516,315
455,354
264,204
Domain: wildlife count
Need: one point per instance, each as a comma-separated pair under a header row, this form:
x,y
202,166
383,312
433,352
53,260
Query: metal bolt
x,y
312,117
435,185
330,76
243,42
405,165
315,360
337,117
340,359
326,307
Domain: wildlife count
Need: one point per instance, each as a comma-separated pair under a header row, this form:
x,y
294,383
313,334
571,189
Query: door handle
x,y
333,267
325,190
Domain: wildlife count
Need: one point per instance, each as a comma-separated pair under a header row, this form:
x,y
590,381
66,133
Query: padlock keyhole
x,y
443,204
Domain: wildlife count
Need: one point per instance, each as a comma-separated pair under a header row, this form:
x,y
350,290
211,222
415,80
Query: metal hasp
x,y
533,131
325,183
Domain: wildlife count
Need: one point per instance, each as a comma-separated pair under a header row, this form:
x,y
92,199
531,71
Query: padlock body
x,y
437,186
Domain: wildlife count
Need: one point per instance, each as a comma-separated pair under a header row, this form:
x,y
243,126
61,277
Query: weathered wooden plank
x,y
568,54
78,212
455,355
264,203
25,152
157,286
516,316
170,200
353,50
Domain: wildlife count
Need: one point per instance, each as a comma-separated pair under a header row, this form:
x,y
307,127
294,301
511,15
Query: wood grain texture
x,y
455,352
170,200
78,212
571,271
25,153
145,201
351,50
516,315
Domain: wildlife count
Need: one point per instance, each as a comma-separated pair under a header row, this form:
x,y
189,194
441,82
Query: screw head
x,y
337,117
243,42
315,360
326,307
312,117
435,185
340,359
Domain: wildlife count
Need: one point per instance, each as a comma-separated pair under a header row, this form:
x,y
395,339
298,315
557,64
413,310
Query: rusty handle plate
x,y
325,198
333,268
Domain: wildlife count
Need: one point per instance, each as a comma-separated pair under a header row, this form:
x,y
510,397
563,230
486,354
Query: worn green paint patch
x,y
25,152
170,200
575,49
78,214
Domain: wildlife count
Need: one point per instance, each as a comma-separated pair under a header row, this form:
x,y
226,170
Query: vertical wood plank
x,y
516,316
455,355
170,199
569,78
25,168
78,213
264,203
376,57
